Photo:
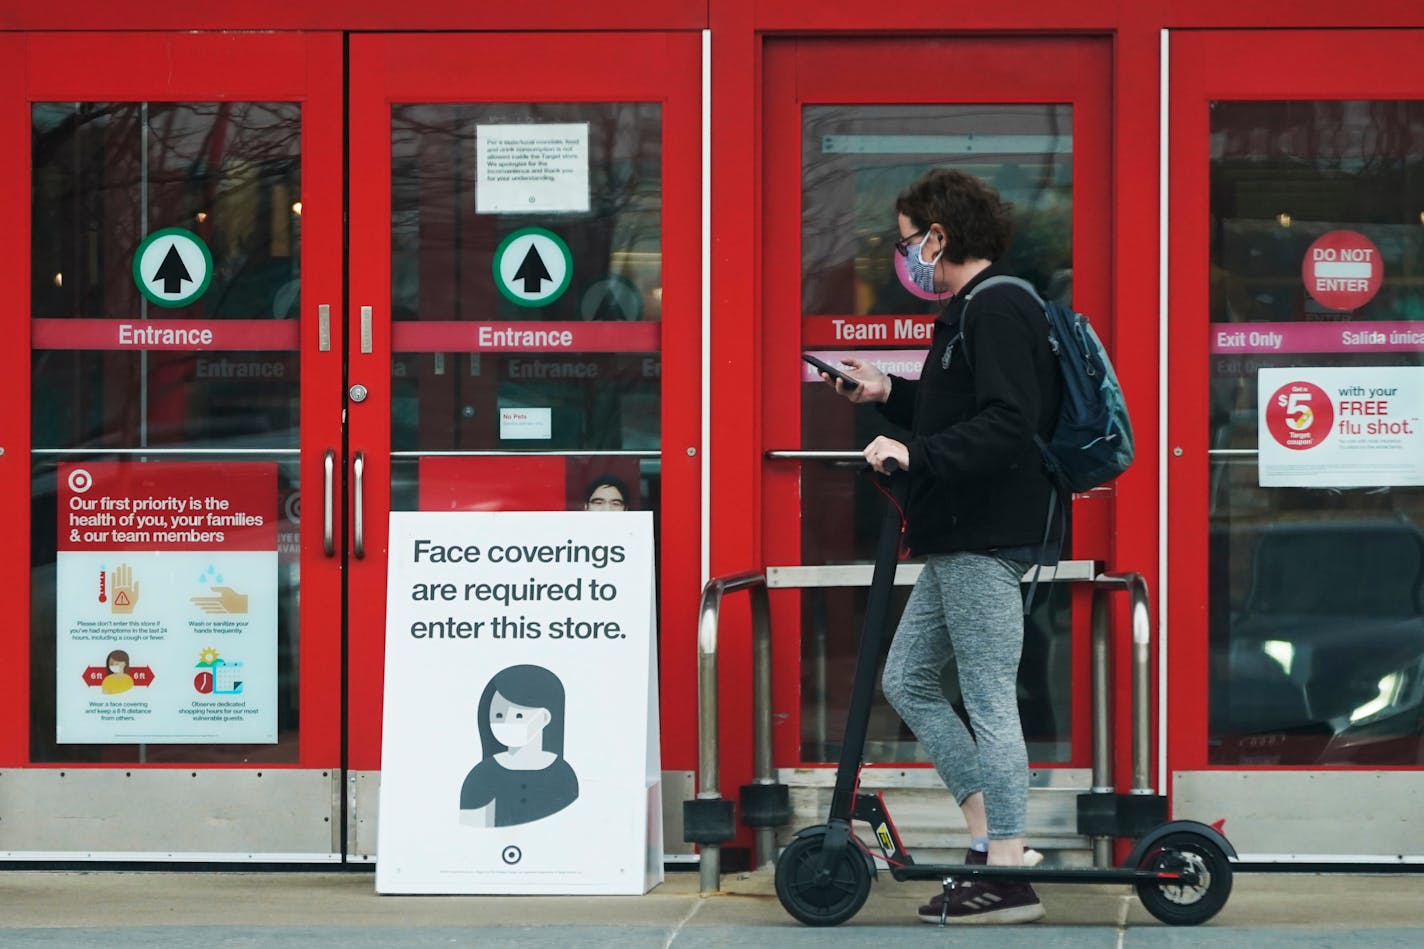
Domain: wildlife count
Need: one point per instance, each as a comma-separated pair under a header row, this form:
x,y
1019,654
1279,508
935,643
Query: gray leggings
x,y
969,607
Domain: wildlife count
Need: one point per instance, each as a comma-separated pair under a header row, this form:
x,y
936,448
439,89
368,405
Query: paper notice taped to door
x,y
531,169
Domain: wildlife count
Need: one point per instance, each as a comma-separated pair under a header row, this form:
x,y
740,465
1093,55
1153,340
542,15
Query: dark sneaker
x,y
991,902
931,912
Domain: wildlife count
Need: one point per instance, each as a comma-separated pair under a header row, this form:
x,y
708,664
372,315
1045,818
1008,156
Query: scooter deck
x,y
942,871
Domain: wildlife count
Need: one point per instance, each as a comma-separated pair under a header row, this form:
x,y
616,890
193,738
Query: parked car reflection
x,y
1323,662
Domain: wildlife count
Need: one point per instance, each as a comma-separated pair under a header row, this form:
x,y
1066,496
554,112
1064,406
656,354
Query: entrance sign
x,y
166,603
531,169
1355,427
172,334
533,266
173,267
520,737
1342,270
524,336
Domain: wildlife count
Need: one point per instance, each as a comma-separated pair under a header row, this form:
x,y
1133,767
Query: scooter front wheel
x,y
817,896
1181,904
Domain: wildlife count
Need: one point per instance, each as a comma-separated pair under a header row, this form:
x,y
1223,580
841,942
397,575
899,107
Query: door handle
x,y
358,542
328,503
365,329
323,328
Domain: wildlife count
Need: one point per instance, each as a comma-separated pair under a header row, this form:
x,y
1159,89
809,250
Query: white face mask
x,y
515,726
116,669
515,734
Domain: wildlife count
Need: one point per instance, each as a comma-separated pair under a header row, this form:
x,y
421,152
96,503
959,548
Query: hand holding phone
x,y
848,382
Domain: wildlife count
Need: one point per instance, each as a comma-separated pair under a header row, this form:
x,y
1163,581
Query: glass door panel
x,y
107,403
855,161
177,247
1314,673
510,328
838,155
574,378
1296,548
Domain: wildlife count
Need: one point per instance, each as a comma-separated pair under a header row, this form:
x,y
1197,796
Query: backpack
x,y
1092,441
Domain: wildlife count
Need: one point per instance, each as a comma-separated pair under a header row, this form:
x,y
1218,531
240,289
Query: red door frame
x,y
584,67
1231,65
292,67
1075,71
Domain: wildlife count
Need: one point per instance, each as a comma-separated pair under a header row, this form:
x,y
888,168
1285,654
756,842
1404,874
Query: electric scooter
x,y
1180,869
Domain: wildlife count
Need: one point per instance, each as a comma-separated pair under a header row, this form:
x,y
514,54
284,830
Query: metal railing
x,y
1071,571
708,787
1136,586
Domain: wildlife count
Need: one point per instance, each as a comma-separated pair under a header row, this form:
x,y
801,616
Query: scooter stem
x,y
867,658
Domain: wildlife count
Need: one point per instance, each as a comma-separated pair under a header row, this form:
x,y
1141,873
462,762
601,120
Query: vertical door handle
x,y
328,503
323,328
358,468
365,329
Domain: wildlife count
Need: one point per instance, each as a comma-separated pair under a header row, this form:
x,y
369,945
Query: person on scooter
x,y
977,495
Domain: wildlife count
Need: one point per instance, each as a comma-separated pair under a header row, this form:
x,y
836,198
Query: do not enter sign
x,y
1342,270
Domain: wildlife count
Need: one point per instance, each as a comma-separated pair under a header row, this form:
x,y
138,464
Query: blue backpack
x,y
1092,442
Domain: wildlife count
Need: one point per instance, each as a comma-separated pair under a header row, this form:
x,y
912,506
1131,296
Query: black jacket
x,y
977,481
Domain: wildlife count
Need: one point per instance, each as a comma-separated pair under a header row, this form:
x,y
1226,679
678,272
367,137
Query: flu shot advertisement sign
x,y
166,603
1339,427
519,748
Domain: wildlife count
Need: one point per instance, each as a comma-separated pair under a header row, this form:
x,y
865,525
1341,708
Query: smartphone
x,y
847,381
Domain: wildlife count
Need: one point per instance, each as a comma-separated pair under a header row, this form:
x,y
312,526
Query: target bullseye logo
x,y
1299,415
511,855
80,481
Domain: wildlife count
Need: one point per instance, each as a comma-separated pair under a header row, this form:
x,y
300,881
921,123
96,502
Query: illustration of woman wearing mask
x,y
118,680
523,776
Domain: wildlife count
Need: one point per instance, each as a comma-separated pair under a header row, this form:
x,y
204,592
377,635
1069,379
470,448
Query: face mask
x,y
921,273
117,670
516,734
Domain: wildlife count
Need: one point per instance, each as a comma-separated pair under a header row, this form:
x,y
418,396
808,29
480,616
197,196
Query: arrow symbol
x,y
173,273
610,307
532,271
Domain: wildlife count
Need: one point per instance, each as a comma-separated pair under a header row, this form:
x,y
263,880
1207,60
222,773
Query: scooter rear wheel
x,y
1179,904
821,898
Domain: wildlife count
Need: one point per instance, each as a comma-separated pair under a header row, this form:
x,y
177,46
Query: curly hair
x,y
976,221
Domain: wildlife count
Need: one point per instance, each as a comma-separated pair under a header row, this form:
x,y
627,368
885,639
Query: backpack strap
x,y
998,280
1053,501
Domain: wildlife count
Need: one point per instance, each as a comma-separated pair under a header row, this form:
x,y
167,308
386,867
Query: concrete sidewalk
x,y
128,910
